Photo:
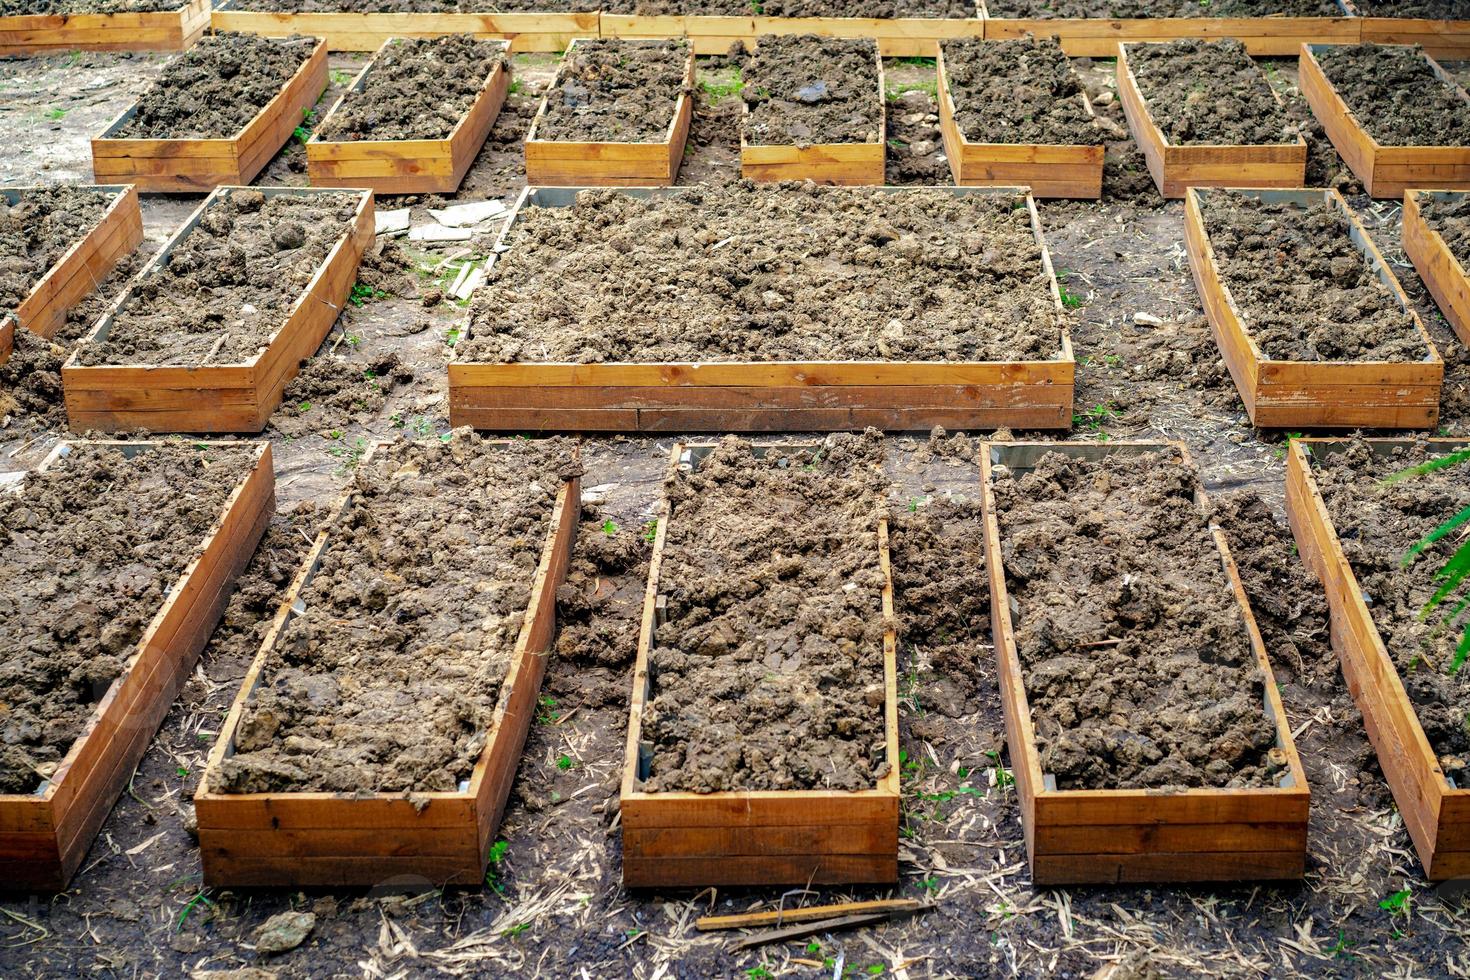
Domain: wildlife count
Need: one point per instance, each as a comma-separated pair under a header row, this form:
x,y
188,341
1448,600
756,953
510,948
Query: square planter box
x,y
1436,813
1447,40
1111,836
1442,273
320,838
1175,168
897,37
164,30
45,835
568,163
1386,171
1313,394
407,166
367,32
195,165
763,396
755,837
89,261
216,398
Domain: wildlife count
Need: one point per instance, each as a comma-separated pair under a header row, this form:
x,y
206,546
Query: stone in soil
x,y
1021,91
770,272
93,546
38,229
768,670
389,678
419,89
1451,219
915,152
1304,290
1146,9
1395,96
803,89
1135,655
1208,92
284,931
611,90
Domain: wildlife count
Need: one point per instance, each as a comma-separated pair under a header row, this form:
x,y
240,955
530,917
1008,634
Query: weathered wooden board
x,y
165,30
897,37
7,336
526,32
1442,273
1447,40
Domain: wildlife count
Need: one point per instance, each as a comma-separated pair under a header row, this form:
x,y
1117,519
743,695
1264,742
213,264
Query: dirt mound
x,y
1048,9
37,230
1451,218
1395,95
1208,92
612,90
1021,91
803,89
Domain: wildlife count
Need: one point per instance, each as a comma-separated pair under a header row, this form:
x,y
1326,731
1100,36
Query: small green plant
x,y
1453,574
515,87
1095,418
813,948
547,713
928,885
609,527
492,870
362,293
650,531
341,77
899,88
759,973
1398,902
452,337
564,762
56,113
305,407
200,898
1069,299
1342,948
721,89
516,930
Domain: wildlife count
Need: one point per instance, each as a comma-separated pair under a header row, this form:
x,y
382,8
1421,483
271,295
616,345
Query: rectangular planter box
x,y
1312,394
1386,171
769,396
1096,37
319,838
1447,40
216,398
1108,836
45,835
7,337
566,163
1442,273
165,30
85,264
194,165
755,837
1050,171
898,37
1174,168
825,163
367,32
1436,814
407,166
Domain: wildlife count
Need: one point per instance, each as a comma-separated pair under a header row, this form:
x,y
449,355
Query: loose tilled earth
x,y
805,89
1047,9
1451,219
22,8
616,91
38,229
1208,92
1395,95
555,908
417,6
1430,9
796,8
1022,91
1305,290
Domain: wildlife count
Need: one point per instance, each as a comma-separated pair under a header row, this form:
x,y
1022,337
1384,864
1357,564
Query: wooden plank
x,y
809,913
897,37
1445,40
759,870
164,30
772,374
1441,271
1104,869
7,337
526,32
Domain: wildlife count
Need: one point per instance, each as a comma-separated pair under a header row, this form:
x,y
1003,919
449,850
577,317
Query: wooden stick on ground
x,y
827,925
781,917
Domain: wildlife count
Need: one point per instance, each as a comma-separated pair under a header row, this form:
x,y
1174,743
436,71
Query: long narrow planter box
x,y
567,162
1386,171
344,31
83,267
1447,40
7,336
825,163
45,835
755,837
1134,835
1436,814
1175,168
1050,171
1442,273
164,30
194,165
216,398
434,166
765,396
1098,37
1313,394
321,838
897,37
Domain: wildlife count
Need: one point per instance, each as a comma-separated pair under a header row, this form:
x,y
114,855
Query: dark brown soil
x,y
1021,91
1208,92
915,152
768,673
611,90
420,89
1304,290
418,6
92,546
37,231
388,680
214,89
333,392
878,9
1427,9
783,272
226,289
1396,96
1377,524
803,89
597,625
22,8
1451,219
1137,660
1048,9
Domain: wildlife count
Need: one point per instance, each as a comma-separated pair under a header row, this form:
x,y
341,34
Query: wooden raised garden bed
x,y
7,337
164,30
367,838
676,838
45,835
1086,836
1435,812
1443,274
1447,40
1176,167
1306,394
425,166
216,398
1386,171
897,37
754,396
568,163
194,165
85,264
